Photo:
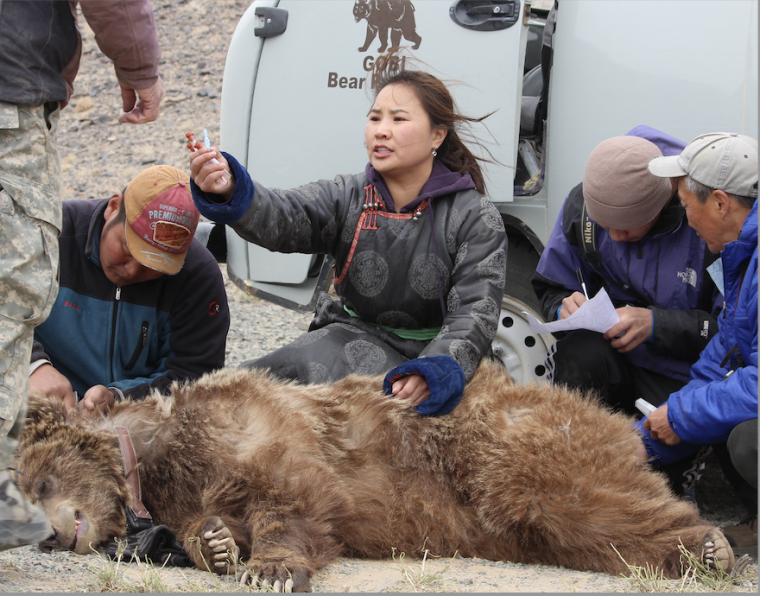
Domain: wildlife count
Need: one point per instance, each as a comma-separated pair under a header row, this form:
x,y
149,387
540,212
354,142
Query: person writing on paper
x,y
627,233
717,183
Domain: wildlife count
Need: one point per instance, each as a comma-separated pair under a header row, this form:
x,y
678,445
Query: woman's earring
x,y
435,152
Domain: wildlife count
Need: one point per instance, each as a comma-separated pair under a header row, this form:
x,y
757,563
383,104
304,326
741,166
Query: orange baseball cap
x,y
161,218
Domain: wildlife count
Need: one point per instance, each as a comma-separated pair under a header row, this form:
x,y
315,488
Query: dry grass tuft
x,y
697,576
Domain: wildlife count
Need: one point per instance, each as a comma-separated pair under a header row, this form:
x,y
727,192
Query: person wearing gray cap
x,y
717,182
624,230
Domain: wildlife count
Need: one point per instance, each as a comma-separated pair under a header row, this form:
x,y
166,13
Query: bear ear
x,y
43,414
42,407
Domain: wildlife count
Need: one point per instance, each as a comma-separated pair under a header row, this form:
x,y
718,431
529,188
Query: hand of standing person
x,y
141,105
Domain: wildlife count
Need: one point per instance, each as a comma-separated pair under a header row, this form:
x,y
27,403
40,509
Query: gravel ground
x,y
99,157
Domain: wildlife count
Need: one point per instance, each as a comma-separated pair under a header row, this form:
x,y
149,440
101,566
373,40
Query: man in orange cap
x,y
141,303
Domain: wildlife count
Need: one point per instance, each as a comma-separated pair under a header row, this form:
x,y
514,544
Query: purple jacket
x,y
664,271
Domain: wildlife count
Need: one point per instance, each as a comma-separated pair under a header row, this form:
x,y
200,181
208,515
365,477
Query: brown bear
x,y
293,476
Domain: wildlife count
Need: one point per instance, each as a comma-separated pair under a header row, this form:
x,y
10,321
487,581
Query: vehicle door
x,y
297,89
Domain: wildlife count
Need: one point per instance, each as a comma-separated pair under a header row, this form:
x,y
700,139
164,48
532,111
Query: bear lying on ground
x,y
292,477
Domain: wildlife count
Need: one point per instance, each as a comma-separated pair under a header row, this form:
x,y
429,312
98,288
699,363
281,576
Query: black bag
x,y
156,544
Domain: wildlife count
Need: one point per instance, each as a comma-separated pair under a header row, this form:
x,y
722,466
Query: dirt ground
x,y
98,157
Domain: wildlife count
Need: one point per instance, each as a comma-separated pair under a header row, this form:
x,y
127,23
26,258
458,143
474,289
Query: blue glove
x,y
444,377
231,211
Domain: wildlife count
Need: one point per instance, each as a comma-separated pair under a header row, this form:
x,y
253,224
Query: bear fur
x,y
299,475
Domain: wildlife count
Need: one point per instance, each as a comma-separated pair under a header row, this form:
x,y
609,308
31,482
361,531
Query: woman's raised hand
x,y
208,174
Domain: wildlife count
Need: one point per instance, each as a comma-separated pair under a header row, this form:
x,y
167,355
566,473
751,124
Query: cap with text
x,y
719,160
161,218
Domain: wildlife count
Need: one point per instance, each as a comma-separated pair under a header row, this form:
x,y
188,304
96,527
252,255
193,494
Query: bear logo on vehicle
x,y
384,15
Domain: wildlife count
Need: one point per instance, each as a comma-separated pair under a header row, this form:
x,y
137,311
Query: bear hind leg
x,y
560,519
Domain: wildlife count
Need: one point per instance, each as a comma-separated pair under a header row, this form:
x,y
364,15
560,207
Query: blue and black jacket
x,y
136,337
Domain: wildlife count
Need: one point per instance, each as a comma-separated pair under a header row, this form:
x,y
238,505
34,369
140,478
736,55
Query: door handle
x,y
275,21
485,15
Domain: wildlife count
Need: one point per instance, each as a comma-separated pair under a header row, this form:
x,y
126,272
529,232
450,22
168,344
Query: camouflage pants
x,y
30,218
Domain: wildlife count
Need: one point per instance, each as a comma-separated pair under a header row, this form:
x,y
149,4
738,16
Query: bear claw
x,y
220,541
717,552
278,586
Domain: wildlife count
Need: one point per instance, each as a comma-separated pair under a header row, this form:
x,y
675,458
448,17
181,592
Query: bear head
x,y
75,474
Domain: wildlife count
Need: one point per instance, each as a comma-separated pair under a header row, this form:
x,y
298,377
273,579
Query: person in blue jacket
x,y
141,302
717,182
624,230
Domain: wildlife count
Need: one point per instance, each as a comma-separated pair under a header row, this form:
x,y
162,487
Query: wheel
x,y
521,350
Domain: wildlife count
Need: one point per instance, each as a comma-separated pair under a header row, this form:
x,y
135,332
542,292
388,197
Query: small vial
x,y
194,145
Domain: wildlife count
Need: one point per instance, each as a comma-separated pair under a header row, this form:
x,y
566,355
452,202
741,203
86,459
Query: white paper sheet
x,y
716,272
597,314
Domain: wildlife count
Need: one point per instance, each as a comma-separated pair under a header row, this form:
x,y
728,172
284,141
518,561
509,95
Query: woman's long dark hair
x,y
442,111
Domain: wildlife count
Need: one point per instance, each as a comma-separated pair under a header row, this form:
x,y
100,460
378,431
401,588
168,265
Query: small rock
x,y
208,91
84,104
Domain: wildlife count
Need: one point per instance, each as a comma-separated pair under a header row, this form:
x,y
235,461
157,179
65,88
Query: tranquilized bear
x,y
294,476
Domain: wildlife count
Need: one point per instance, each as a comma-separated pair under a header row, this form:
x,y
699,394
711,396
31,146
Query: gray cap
x,y
618,189
719,160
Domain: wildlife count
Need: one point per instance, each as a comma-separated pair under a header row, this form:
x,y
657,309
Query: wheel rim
x,y
521,350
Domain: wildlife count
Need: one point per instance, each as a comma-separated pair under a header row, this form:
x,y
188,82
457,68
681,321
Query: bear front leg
x,y
371,33
383,37
212,547
290,543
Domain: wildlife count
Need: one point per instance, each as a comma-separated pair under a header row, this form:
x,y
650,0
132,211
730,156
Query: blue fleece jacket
x,y
137,337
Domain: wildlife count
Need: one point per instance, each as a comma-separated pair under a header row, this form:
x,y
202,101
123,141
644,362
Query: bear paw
x,y
717,552
276,577
277,586
220,546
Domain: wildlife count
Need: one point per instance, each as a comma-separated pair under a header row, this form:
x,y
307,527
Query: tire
x,y
522,351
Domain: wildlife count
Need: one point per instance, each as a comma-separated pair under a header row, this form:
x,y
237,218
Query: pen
x,y
580,281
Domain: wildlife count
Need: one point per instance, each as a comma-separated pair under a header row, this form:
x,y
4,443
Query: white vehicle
x,y
295,98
